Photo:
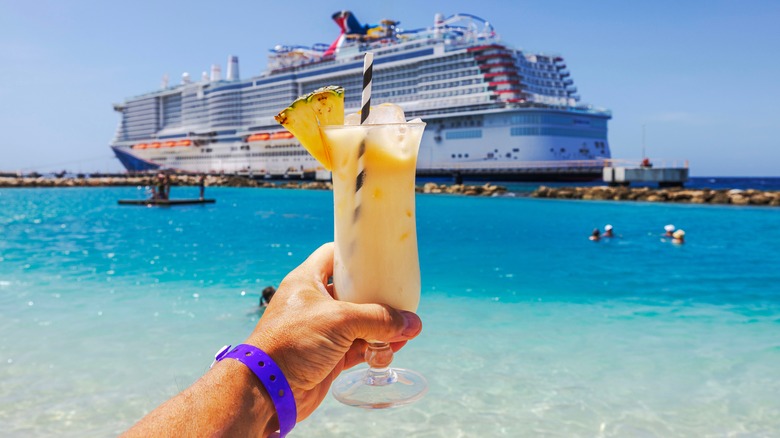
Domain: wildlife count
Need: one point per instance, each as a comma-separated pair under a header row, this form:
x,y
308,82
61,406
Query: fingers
x,y
320,263
356,354
313,273
375,322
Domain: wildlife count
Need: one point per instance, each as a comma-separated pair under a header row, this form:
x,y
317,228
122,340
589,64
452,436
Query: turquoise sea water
x,y
529,328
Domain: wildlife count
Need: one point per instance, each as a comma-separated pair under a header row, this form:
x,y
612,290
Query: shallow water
x,y
529,328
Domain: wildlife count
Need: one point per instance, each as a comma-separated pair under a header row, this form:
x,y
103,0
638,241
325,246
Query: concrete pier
x,y
663,176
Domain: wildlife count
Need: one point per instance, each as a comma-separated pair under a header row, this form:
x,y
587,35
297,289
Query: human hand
x,y
313,337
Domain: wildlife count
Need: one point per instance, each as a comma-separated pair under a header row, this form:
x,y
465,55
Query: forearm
x,y
228,401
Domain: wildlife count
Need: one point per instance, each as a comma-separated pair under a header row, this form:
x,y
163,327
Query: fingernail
x,y
413,325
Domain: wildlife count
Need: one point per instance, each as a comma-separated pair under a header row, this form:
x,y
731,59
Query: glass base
x,y
370,388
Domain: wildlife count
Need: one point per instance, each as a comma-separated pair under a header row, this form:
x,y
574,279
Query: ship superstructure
x,y
491,109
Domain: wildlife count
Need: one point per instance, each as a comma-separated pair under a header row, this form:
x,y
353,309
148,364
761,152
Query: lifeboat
x,y
259,137
140,146
281,135
170,144
155,145
183,143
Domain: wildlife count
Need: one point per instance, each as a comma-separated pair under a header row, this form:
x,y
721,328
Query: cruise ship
x,y
492,111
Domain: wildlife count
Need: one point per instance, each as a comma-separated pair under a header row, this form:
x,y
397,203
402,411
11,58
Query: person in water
x,y
267,294
162,187
308,334
202,185
678,237
608,231
595,235
669,230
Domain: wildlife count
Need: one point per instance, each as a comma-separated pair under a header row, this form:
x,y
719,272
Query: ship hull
x,y
489,146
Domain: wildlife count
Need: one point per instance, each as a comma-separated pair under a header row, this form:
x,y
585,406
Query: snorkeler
x,y
266,296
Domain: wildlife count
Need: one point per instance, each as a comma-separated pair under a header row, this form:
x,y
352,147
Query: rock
x,y
760,199
720,197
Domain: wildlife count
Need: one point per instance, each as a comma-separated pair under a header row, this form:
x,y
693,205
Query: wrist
x,y
240,384
270,380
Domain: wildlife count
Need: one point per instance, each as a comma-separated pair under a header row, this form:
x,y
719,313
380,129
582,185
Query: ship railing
x,y
552,165
539,164
661,163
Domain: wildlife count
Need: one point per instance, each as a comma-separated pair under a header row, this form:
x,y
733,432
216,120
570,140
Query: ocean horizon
x,y
529,328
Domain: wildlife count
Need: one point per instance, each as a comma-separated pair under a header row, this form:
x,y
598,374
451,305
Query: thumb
x,y
378,322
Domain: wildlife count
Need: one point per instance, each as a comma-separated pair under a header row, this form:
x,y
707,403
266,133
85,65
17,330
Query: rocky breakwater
x,y
462,189
691,196
226,181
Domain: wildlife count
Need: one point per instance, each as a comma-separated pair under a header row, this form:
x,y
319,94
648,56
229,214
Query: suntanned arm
x,y
309,335
228,401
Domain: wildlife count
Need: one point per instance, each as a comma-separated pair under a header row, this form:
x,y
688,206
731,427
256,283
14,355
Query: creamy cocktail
x,y
373,198
372,159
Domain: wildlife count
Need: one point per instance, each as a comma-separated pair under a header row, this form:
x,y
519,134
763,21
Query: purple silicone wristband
x,y
272,378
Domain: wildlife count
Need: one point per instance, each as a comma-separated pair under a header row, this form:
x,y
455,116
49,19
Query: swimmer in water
x,y
678,238
608,231
669,230
595,235
268,293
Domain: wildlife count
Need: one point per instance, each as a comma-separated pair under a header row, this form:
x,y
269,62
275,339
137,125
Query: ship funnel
x,y
185,78
216,72
232,70
438,23
164,83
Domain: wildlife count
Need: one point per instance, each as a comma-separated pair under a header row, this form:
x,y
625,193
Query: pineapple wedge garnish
x,y
324,106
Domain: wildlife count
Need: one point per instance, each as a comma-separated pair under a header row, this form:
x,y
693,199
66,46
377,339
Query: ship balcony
x,y
571,90
568,82
564,73
505,82
493,55
498,64
560,66
485,47
509,93
499,74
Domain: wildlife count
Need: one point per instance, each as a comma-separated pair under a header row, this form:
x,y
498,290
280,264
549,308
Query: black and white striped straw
x,y
368,70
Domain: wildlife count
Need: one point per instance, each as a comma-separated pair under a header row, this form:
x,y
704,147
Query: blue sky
x,y
702,77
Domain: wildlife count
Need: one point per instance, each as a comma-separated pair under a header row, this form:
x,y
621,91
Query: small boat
x,y
165,202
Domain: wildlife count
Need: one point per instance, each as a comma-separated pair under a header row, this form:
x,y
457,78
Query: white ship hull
x,y
486,150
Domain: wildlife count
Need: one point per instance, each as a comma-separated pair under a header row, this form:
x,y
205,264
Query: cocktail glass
x,y
376,257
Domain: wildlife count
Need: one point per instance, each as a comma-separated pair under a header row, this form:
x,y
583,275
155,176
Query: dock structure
x,y
671,176
538,171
